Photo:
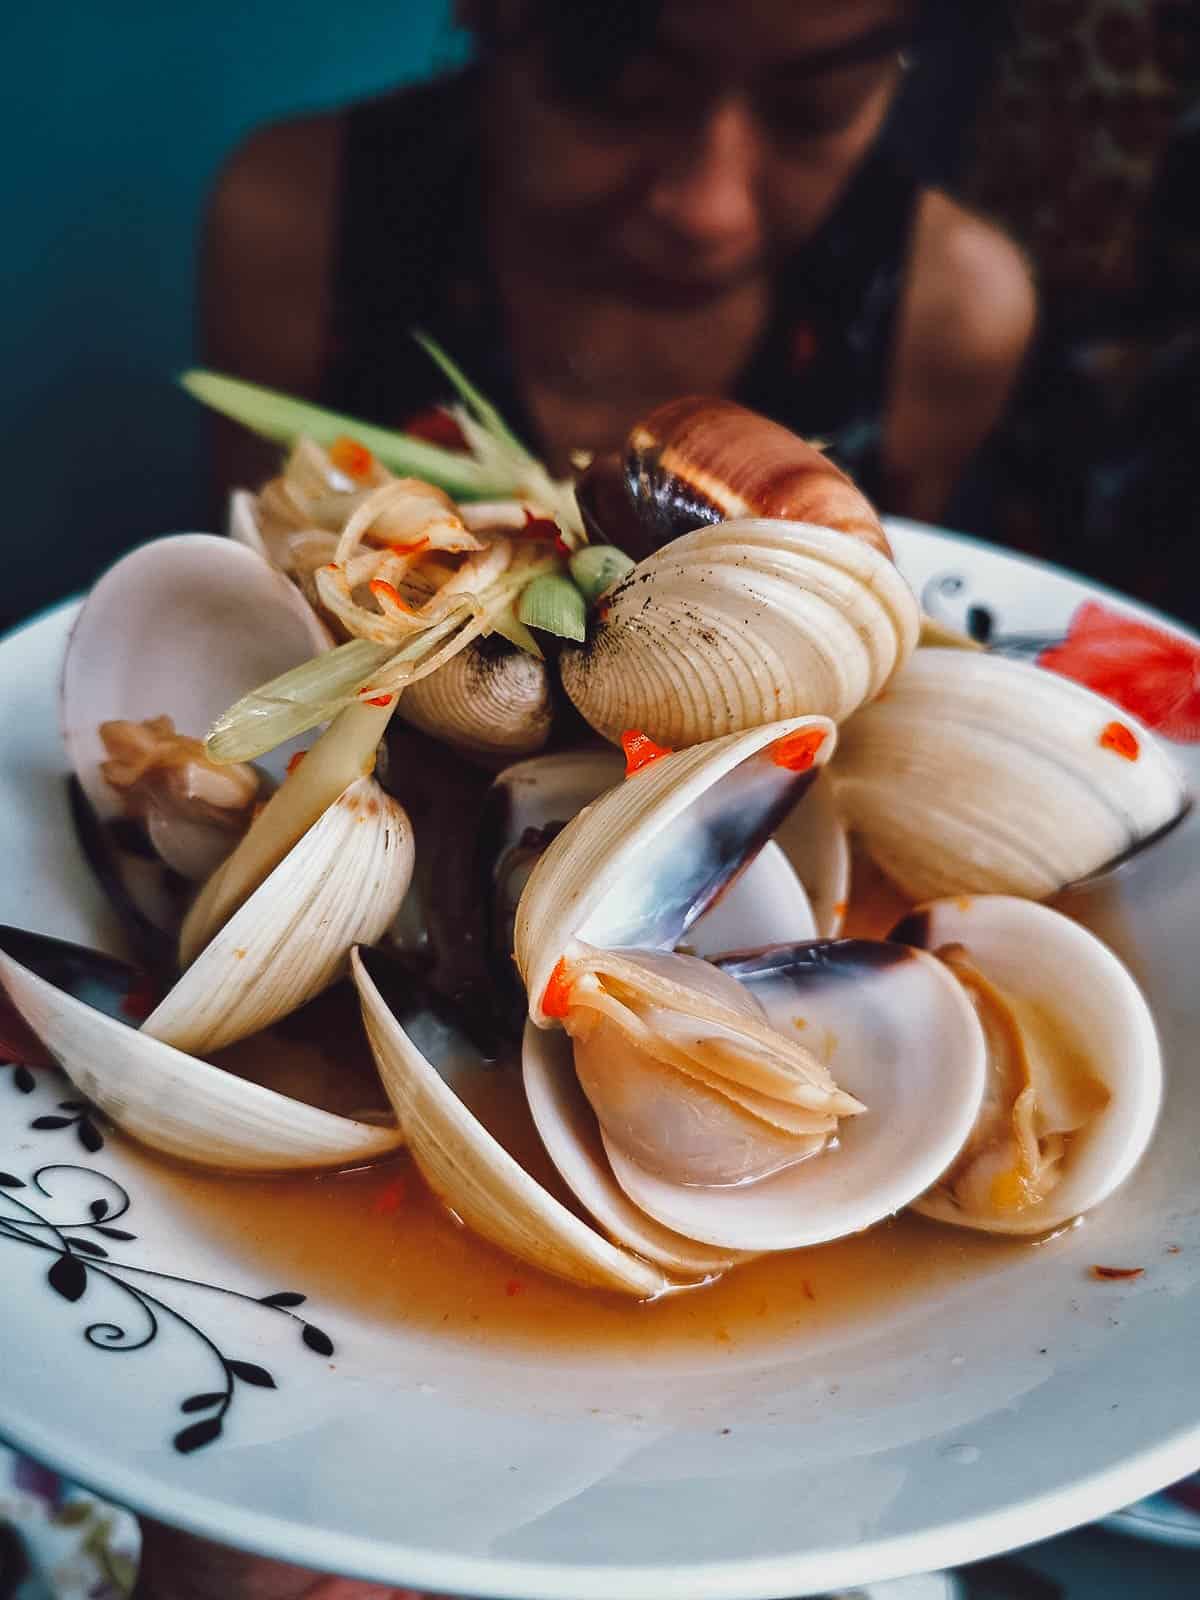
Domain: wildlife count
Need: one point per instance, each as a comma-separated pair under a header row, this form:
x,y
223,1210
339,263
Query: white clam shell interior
x,y
894,1033
1037,954
814,839
766,903
142,645
637,866
180,1105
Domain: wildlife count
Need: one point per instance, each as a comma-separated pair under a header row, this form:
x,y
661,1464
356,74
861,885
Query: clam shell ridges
x,y
484,702
743,623
977,774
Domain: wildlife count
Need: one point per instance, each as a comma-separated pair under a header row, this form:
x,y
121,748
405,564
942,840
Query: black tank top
x,y
410,255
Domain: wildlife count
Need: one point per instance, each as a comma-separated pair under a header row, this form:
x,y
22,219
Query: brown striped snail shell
x,y
703,459
774,596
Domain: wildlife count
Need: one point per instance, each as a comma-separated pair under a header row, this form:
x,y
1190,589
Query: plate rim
x,y
953,1543
1087,1498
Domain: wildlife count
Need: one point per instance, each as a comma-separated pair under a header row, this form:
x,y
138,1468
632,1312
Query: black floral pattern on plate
x,y
80,1248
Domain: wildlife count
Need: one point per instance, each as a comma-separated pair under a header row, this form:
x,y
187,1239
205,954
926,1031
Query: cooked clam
x,y
530,802
141,683
340,885
700,1114
766,587
978,774
738,624
896,1034
1074,1075
324,864
491,700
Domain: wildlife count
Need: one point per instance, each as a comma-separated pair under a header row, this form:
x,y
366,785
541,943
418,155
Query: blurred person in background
x,y
621,202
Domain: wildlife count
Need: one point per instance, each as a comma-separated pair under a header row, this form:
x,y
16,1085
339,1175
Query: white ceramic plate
x,y
952,1423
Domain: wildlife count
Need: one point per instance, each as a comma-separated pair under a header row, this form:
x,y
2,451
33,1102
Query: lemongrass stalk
x,y
509,626
294,702
279,417
316,690
343,753
484,410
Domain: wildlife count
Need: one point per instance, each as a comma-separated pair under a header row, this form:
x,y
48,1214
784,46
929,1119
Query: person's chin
x,y
685,281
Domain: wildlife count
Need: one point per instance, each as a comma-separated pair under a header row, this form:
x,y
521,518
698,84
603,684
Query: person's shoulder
x,y
968,317
267,252
972,304
270,230
281,178
288,163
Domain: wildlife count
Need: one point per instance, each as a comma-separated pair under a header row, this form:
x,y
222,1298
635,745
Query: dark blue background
x,y
113,121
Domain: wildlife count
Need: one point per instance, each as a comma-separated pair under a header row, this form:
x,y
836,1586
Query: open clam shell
x,y
978,774
641,864
342,884
567,1127
477,1178
531,802
143,647
739,624
175,1103
748,790
1094,1064
897,1031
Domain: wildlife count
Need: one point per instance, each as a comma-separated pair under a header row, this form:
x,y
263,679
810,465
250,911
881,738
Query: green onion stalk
x,y
359,684
355,687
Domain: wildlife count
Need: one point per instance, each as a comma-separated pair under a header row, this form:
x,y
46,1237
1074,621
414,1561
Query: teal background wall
x,y
113,119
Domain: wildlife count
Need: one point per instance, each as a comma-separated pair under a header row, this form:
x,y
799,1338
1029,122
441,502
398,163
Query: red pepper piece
x,y
640,750
797,751
556,999
544,528
408,549
383,590
294,761
539,527
436,426
381,700
391,1198
141,1000
352,458
1122,741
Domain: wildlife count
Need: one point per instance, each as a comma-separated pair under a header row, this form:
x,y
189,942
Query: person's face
x,y
720,147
